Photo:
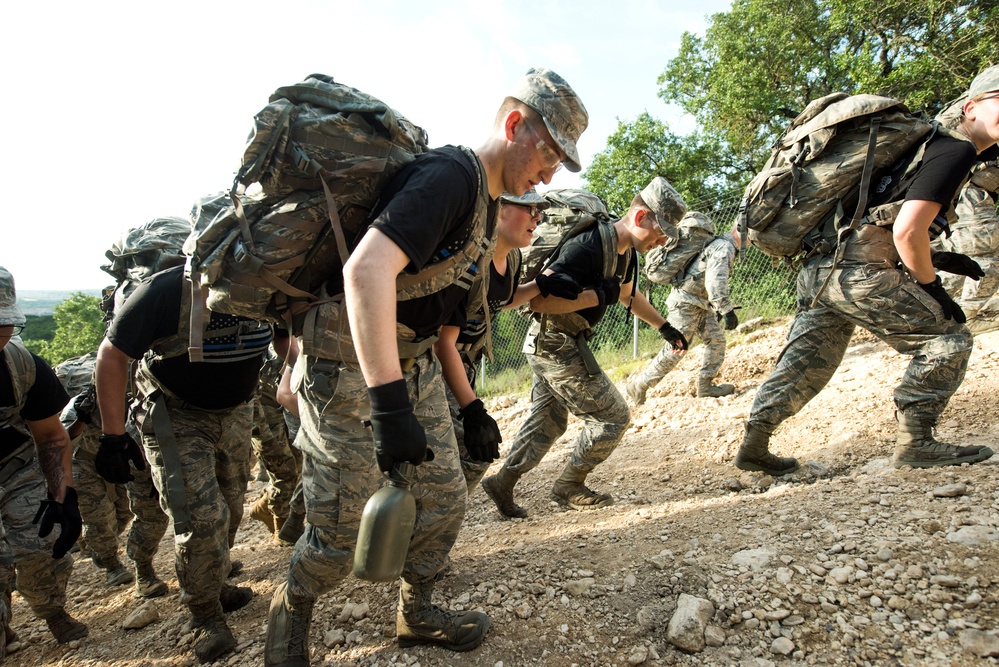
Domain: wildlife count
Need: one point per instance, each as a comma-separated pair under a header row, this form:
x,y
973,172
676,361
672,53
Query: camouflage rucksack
x,y
821,170
77,377
571,212
139,253
318,155
668,264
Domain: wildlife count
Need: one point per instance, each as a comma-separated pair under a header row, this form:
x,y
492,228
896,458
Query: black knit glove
x,y
731,319
958,264
113,455
482,434
673,336
398,435
67,515
951,310
558,284
608,291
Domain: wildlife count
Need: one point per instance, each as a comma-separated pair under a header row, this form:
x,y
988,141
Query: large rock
x,y
983,644
754,559
686,628
973,536
141,617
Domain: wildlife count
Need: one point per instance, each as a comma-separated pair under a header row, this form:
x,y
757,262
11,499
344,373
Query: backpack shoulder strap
x,y
608,244
22,368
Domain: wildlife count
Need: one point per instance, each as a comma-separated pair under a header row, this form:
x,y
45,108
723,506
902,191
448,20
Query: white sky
x,y
115,113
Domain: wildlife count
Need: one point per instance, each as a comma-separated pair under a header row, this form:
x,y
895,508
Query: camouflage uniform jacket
x,y
705,284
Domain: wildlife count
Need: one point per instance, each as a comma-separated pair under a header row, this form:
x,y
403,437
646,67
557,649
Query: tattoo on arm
x,y
50,458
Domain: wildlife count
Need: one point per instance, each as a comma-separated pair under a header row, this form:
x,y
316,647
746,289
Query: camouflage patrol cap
x,y
986,82
529,198
563,112
10,313
666,203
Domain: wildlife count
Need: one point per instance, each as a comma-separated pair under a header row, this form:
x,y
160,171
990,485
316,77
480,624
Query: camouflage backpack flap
x,y
321,153
668,264
823,165
77,374
985,176
571,211
140,252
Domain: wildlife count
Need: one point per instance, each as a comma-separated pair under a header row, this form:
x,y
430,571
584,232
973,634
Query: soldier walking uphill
x,y
35,469
697,305
566,376
906,306
195,420
461,343
385,370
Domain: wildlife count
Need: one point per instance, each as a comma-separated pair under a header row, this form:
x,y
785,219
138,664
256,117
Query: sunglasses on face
x,y
550,158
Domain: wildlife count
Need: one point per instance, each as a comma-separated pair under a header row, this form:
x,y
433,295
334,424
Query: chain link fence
x,y
758,287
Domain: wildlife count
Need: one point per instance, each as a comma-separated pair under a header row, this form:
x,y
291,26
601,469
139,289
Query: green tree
x,y
645,148
79,329
759,64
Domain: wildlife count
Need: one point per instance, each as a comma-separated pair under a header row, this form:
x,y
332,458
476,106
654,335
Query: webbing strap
x,y
858,213
173,469
199,306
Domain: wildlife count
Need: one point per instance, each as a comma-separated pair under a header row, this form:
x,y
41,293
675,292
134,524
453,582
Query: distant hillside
x,y
43,302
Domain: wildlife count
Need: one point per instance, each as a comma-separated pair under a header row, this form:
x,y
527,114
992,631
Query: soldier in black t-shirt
x,y
35,468
195,419
886,281
370,362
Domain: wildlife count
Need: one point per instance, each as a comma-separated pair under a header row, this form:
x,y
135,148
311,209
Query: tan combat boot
x,y
116,574
419,621
754,455
147,584
570,491
707,390
260,511
917,447
65,628
288,621
499,488
212,636
636,390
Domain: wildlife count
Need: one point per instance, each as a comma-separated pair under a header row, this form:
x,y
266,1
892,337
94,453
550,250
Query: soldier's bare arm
x,y
55,454
111,378
912,238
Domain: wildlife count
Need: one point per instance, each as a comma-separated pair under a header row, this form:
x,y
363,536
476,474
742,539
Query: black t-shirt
x,y
228,375
427,210
499,295
946,163
582,259
46,397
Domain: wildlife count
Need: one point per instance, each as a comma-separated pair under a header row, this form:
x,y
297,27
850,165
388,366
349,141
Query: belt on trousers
x,y
592,367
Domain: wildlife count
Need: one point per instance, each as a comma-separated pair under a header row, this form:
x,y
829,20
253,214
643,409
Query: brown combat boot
x,y
234,597
65,628
499,488
569,490
419,621
212,636
260,511
707,390
917,447
754,455
288,621
291,529
116,574
147,584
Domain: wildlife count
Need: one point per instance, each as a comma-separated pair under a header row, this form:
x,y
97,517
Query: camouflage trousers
x,y
561,384
473,471
270,443
692,321
973,295
201,477
340,473
886,302
26,561
100,508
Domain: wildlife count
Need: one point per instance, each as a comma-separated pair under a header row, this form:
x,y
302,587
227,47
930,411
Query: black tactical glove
x,y
482,435
608,291
958,264
558,284
731,319
398,435
67,515
113,455
951,310
673,336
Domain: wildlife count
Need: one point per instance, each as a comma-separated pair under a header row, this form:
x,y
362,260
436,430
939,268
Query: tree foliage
x,y
79,329
759,64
